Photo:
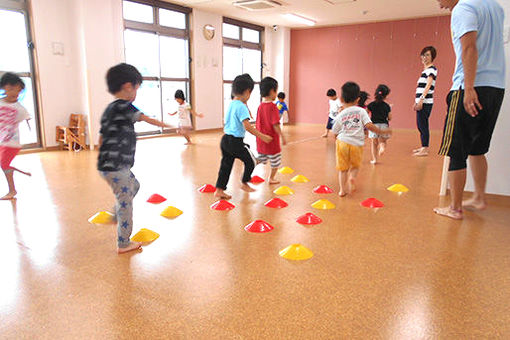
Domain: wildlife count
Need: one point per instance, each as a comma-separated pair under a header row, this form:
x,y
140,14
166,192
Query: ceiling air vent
x,y
256,5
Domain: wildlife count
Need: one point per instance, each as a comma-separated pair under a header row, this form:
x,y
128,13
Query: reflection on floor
x,y
400,272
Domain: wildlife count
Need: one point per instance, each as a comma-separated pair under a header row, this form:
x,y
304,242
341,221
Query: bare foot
x,y
472,204
449,212
132,246
9,196
246,187
373,161
421,153
324,135
342,194
382,149
417,150
352,185
222,195
274,181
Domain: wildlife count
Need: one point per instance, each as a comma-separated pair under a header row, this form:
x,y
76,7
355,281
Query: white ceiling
x,y
324,12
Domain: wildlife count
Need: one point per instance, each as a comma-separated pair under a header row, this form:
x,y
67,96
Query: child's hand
x,y
172,114
266,138
201,115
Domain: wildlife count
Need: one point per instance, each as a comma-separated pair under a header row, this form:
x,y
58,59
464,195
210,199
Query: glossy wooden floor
x,y
398,273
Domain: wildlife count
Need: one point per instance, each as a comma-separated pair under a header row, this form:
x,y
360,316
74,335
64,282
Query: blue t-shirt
x,y
236,114
282,107
486,17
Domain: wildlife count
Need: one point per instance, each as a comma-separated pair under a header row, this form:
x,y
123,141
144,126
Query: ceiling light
x,y
299,19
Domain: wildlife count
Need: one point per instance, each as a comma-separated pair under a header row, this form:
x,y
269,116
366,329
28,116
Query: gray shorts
x,y
274,160
381,126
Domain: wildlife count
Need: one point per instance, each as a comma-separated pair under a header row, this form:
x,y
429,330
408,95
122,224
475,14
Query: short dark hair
x,y
12,79
121,74
266,85
242,83
331,93
432,49
381,92
350,92
363,97
179,94
281,95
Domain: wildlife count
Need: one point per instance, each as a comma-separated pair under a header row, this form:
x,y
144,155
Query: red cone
x,y
276,203
207,188
309,219
372,203
222,205
258,226
256,180
323,189
156,199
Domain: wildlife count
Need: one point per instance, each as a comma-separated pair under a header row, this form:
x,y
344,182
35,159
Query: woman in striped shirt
x,y
425,98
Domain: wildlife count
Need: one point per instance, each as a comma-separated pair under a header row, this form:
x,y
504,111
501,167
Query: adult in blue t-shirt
x,y
475,98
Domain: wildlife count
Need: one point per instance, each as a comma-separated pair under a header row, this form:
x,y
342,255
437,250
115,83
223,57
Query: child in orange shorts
x,y
349,127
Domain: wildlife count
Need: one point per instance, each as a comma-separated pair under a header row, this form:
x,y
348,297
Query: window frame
x,y
170,32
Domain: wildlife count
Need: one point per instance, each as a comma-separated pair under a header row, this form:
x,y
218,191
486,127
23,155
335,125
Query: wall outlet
x,y
506,34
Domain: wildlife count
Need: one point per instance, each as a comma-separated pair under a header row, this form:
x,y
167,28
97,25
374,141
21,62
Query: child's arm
x,y
265,138
144,118
193,113
279,132
375,129
390,116
172,114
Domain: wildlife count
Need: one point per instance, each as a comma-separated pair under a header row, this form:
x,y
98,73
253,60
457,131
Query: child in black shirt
x,y
380,113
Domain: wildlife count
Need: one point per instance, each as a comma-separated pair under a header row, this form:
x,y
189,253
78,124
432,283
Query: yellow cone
x,y
323,205
102,217
300,179
171,212
145,235
285,170
296,252
398,188
283,190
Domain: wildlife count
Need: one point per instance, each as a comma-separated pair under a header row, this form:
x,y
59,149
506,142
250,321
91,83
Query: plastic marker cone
x,y
276,203
171,212
283,190
372,203
207,188
222,205
256,180
156,199
102,217
322,189
300,179
296,252
259,226
400,188
145,235
309,219
285,170
323,205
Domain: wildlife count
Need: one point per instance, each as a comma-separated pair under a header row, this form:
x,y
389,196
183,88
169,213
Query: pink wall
x,y
369,54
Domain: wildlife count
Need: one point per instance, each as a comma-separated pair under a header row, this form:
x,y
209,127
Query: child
x,y
237,122
334,107
268,122
184,111
363,97
117,147
348,127
281,105
11,114
381,115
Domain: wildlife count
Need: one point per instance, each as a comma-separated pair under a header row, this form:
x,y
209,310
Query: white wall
x,y
499,157
277,56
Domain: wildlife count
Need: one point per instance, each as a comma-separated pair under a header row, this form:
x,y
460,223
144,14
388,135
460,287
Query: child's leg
x,y
353,173
185,132
342,179
247,157
374,150
9,176
329,126
342,165
382,145
7,154
227,161
124,186
356,158
276,162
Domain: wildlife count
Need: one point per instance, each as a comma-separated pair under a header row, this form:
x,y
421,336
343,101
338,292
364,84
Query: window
x,y
156,42
18,59
242,53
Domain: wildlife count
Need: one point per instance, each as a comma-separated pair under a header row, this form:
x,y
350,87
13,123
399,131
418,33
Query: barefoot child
x,y
268,122
348,127
185,112
334,107
237,122
282,106
118,145
11,114
380,113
